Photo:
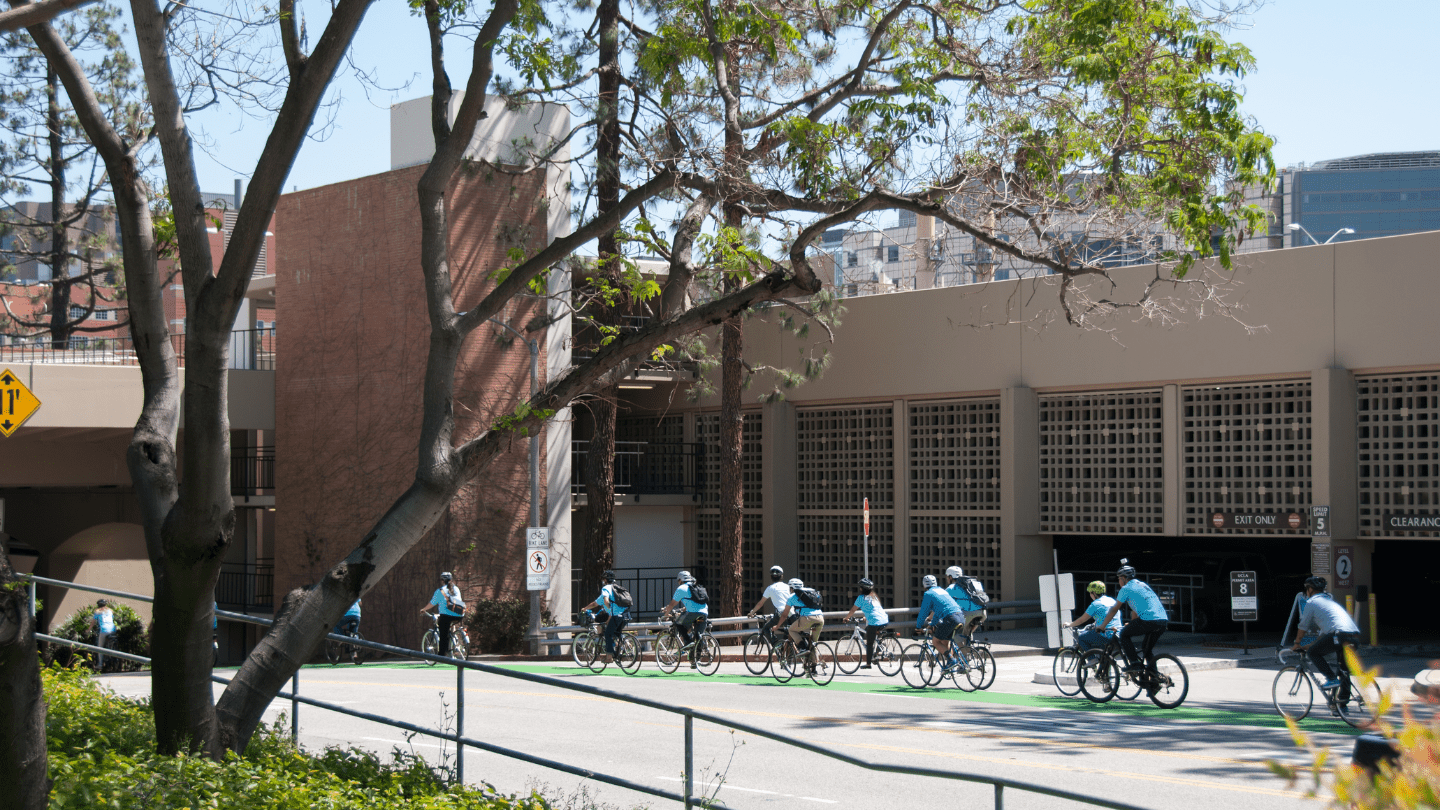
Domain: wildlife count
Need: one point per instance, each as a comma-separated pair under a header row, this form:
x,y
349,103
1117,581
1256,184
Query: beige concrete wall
x,y
110,555
111,397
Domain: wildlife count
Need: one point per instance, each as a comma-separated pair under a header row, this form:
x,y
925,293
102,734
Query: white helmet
x,y
954,572
684,576
796,583
928,581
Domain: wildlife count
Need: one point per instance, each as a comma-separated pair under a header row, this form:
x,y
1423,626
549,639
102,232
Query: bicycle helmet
x,y
446,576
1097,587
1316,584
954,572
776,573
684,576
866,585
928,581
1126,569
610,576
795,583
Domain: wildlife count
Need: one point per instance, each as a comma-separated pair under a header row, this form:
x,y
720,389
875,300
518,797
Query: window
x,y
853,259
104,315
77,313
894,254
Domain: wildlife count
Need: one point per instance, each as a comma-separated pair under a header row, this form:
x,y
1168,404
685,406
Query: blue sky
x,y
1335,78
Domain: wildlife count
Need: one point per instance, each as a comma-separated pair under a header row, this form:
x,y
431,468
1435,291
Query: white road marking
x,y
728,786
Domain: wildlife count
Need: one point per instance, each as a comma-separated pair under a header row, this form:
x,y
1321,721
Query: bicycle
x,y
1103,675
670,648
1293,692
1067,667
791,661
851,650
981,670
459,640
335,651
759,647
588,648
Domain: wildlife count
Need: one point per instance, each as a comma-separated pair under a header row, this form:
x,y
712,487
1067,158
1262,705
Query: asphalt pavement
x,y
1211,750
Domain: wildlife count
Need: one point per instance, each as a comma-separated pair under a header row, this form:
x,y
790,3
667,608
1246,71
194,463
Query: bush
x,y
131,636
497,626
102,754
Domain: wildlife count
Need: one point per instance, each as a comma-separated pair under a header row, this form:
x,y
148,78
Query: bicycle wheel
x,y
358,654
667,652
597,656
582,648
1099,676
1359,710
850,651
823,671
758,654
333,650
707,655
1066,670
785,665
1172,682
459,645
887,655
1292,693
627,654
982,668
430,644
1127,687
917,664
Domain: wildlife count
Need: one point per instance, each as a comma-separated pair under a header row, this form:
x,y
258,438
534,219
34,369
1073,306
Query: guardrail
x,y
458,737
646,632
249,349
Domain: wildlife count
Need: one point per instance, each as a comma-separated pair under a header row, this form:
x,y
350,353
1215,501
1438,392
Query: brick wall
x,y
349,384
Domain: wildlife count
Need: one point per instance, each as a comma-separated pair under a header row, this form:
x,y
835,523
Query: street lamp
x,y
1295,226
534,347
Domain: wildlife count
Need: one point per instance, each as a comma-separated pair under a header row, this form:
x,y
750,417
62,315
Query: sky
x,y
1334,78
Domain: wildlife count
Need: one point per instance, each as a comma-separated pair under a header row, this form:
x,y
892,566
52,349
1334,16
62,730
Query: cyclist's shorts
x,y
945,628
974,617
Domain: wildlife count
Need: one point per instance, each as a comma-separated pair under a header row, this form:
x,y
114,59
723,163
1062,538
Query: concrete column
x,y
924,268
1172,449
1024,552
1333,470
555,508
901,587
778,471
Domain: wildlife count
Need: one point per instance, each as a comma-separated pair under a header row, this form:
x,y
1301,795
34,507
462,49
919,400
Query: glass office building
x,y
1377,195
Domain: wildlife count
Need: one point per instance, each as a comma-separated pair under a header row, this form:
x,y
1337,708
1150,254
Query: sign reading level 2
x,y
16,403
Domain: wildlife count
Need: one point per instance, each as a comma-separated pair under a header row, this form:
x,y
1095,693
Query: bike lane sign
x,y
537,558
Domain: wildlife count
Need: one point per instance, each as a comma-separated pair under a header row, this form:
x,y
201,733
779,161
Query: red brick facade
x,y
349,380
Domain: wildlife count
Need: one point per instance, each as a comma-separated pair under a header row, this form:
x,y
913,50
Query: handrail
x,y
1000,783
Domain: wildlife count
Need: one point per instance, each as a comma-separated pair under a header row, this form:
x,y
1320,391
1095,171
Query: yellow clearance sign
x,y
16,403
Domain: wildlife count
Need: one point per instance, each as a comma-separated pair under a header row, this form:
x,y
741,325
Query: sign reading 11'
x,y
16,403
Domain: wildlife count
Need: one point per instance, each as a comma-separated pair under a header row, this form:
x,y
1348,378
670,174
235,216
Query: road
x,y
1208,753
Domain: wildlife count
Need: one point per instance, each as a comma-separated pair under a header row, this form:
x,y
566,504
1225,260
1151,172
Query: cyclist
x,y
350,622
1150,620
875,618
1336,630
959,589
696,611
606,604
778,593
941,608
1095,637
811,619
447,602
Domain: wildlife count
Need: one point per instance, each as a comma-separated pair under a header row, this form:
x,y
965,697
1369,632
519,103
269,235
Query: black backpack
x,y
810,598
976,591
621,596
699,594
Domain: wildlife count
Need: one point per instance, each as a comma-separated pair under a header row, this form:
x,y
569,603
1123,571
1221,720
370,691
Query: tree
x,y
44,145
23,761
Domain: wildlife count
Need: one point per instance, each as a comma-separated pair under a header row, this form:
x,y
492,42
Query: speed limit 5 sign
x,y
1244,601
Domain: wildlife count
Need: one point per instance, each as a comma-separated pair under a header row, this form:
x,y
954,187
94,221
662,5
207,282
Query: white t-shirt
x,y
778,593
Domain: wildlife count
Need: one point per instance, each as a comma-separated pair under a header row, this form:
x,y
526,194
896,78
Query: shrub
x,y
131,636
497,626
102,754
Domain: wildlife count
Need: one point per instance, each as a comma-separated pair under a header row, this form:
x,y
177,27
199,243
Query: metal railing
x,y
688,798
247,586
249,349
252,471
647,468
1178,592
651,588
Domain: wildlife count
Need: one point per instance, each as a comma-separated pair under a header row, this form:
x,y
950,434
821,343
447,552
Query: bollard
x,y
1374,623
1350,607
689,760
295,707
459,724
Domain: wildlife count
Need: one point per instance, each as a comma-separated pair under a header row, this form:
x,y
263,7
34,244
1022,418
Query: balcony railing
x,y
252,471
250,349
246,586
647,468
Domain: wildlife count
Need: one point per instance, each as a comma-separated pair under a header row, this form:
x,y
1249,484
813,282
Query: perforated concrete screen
x,y
707,430
1100,463
845,455
955,456
831,558
707,553
1398,439
969,541
1247,449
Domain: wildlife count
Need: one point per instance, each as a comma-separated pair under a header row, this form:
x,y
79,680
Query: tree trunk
x,y
600,493
23,760
732,493
59,229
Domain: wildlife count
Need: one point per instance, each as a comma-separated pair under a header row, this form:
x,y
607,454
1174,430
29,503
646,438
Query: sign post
x,y
866,551
537,558
1244,602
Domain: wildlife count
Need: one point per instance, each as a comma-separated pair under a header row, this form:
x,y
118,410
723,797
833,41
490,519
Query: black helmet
x,y
776,573
866,585
610,576
1126,569
1316,584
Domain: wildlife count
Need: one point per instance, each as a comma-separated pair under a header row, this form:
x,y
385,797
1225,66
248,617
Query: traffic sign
x,y
1244,599
16,403
537,558
1319,521
1344,566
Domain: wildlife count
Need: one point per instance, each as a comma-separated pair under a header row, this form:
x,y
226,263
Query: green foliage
x,y
497,626
131,636
512,421
102,754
